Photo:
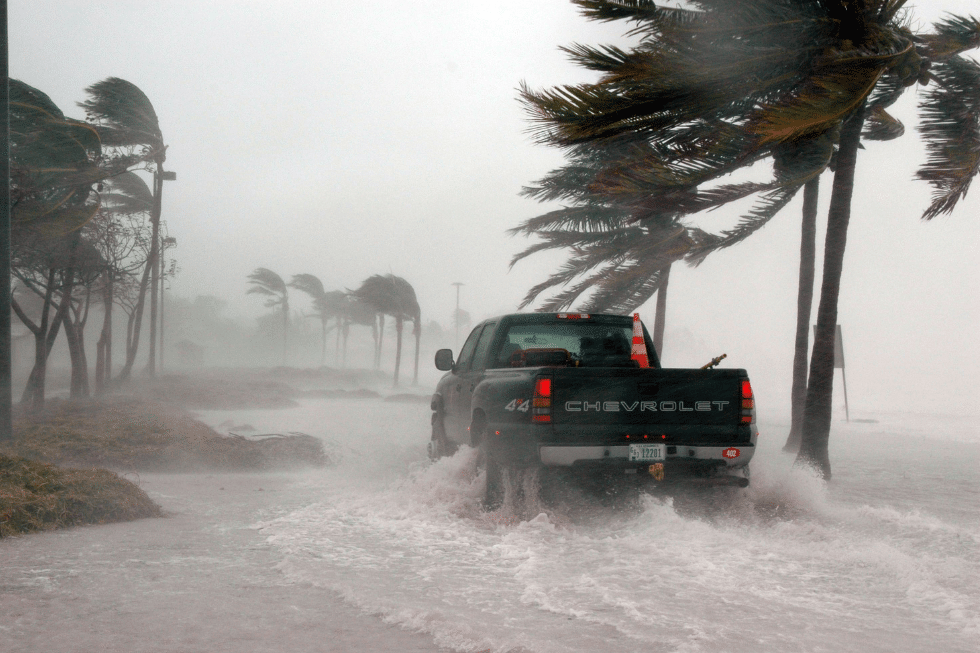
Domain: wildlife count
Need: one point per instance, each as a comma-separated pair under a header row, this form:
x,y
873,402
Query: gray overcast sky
x,y
345,139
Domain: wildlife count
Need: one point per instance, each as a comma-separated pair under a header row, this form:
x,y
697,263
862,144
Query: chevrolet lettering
x,y
651,406
586,396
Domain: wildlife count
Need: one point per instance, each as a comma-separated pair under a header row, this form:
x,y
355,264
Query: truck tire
x,y
439,444
493,495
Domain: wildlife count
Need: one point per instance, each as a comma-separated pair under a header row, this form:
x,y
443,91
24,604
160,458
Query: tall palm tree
x,y
394,296
264,281
313,287
126,120
326,306
358,311
769,78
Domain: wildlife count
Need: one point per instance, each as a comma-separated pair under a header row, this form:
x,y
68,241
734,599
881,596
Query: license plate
x,y
647,452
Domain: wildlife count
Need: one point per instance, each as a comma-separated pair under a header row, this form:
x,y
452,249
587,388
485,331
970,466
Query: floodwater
x,y
886,557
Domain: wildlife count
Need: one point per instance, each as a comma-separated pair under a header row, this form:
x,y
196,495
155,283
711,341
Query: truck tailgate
x,y
683,405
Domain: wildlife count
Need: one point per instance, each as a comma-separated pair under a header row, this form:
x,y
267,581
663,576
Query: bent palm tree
x,y
391,295
266,282
313,287
621,252
126,120
728,83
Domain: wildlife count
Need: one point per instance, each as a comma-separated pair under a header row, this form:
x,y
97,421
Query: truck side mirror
x,y
444,360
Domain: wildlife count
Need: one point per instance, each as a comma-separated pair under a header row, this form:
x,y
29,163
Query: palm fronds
x,y
951,130
124,115
264,281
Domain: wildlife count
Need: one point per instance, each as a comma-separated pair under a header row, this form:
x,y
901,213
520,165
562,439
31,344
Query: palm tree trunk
x,y
820,387
323,341
418,342
661,317
285,334
804,303
399,326
336,348
380,341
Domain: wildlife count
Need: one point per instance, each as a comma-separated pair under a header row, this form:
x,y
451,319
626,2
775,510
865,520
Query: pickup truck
x,y
586,393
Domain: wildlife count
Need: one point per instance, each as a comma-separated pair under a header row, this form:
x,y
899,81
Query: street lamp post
x,y
456,316
165,244
159,176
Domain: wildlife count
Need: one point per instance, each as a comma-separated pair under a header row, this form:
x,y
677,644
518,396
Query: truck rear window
x,y
589,344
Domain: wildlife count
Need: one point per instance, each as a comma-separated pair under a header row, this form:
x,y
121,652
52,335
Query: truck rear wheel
x,y
493,493
439,444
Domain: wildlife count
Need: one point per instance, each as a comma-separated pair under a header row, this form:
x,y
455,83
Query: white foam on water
x,y
790,563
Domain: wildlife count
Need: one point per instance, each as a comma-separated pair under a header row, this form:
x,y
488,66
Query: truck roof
x,y
544,318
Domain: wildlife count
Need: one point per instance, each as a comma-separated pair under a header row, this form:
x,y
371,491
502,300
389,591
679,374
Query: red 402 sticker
x,y
731,452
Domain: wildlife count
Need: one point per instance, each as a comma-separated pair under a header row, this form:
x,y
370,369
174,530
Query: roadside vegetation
x,y
55,470
37,496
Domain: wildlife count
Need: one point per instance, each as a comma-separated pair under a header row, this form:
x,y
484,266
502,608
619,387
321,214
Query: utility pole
x,y
456,316
6,396
159,176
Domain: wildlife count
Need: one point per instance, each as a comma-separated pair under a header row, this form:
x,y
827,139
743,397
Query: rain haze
x,y
345,140
350,139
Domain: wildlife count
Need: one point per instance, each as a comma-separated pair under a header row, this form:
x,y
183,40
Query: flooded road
x,y
201,580
884,558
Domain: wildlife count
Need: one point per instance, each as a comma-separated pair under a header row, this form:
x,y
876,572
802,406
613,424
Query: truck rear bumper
x,y
732,457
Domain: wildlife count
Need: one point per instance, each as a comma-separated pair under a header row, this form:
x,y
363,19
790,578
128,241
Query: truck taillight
x,y
748,403
541,404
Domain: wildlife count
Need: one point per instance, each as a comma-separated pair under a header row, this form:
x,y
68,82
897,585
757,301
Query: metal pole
x,y
165,244
456,317
6,397
163,282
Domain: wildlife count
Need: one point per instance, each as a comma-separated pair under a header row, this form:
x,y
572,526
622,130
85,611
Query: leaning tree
x,y
264,281
394,296
126,122
763,78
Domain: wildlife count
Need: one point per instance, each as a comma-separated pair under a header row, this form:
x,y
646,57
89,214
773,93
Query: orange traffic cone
x,y
639,345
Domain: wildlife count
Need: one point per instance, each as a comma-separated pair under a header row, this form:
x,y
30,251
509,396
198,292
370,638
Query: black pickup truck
x,y
587,393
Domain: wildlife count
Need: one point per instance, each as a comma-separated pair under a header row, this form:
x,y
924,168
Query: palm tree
x,y
391,295
359,311
326,305
622,252
266,282
771,79
125,120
